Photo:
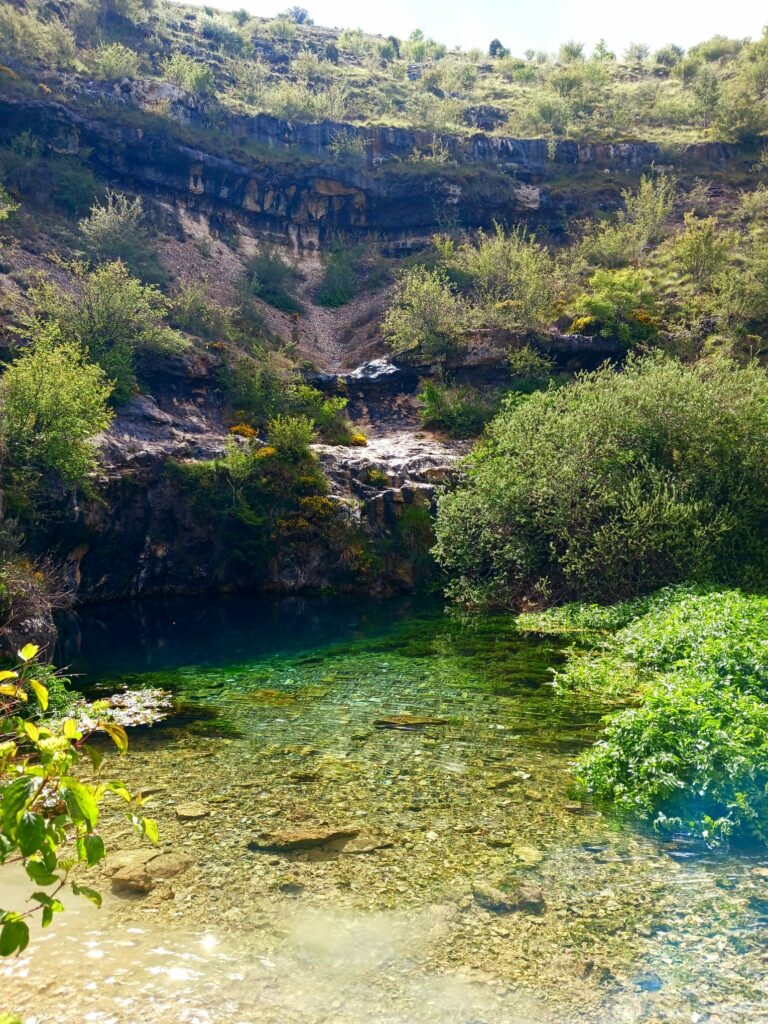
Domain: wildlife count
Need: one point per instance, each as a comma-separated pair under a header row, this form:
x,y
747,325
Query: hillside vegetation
x,y
289,67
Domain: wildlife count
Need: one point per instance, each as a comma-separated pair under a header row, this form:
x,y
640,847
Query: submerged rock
x,y
302,839
407,722
168,865
192,811
522,896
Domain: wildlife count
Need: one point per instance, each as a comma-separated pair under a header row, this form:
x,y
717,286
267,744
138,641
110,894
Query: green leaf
x,y
14,935
14,799
39,874
120,789
30,833
94,849
80,801
117,734
70,729
32,731
95,756
41,693
90,894
150,830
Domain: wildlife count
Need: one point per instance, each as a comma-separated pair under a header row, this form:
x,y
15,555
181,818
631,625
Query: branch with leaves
x,y
48,812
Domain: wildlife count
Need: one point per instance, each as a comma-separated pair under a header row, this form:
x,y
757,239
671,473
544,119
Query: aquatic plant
x,y
692,751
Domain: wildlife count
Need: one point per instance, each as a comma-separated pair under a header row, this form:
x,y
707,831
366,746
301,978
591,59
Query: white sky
x,y
539,24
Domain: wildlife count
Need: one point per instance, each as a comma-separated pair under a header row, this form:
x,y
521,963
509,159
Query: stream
x,y
468,885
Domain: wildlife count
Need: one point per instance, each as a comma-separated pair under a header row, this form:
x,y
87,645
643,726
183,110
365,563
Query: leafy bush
x,y
462,411
193,310
327,414
116,61
615,485
117,230
272,278
512,278
53,403
692,753
24,36
426,317
110,313
291,436
48,813
702,250
641,224
619,304
192,75
254,387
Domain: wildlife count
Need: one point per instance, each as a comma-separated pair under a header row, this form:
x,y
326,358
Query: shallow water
x,y
275,730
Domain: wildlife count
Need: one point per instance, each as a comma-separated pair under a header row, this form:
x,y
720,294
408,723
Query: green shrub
x,y
702,250
620,304
291,436
615,485
110,313
193,310
117,229
25,37
426,317
272,278
513,280
692,753
462,411
641,224
192,75
255,389
116,61
53,403
328,414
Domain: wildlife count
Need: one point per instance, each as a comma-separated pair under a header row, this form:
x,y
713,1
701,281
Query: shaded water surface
x,y
476,888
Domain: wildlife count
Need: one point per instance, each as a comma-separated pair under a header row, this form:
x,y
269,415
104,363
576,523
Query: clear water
x,y
275,731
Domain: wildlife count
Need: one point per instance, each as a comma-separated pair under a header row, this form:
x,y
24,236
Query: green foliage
x,y
117,230
116,61
641,224
613,486
291,436
692,753
53,403
27,37
48,813
268,502
192,309
345,145
426,318
271,278
7,205
192,75
512,280
701,251
530,369
462,411
327,414
619,304
110,313
253,385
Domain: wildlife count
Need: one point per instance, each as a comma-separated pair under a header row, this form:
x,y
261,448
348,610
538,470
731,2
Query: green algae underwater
x,y
472,885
